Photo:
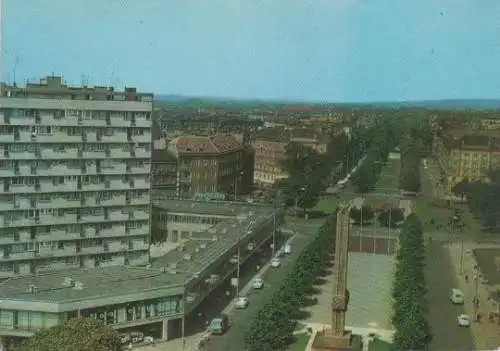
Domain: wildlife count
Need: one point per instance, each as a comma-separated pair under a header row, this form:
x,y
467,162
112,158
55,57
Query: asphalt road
x,y
448,336
233,339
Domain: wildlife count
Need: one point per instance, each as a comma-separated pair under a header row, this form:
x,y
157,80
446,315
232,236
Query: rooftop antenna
x,y
16,62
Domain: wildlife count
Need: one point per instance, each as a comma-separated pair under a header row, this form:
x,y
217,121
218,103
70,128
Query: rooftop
x,y
276,134
214,208
217,144
204,248
97,283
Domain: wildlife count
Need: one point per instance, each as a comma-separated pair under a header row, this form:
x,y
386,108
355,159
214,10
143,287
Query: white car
x,y
241,302
258,283
275,262
463,320
149,340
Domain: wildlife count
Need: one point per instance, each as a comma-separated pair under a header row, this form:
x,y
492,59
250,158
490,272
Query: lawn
x,y
389,177
300,342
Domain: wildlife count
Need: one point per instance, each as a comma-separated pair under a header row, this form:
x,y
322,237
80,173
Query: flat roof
x,y
214,208
98,283
142,282
228,233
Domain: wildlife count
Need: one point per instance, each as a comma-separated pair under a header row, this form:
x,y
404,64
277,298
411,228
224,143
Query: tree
x,y
362,215
78,334
409,291
274,325
391,217
462,188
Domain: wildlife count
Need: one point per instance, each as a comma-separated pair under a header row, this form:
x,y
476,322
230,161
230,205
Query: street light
x,y
240,174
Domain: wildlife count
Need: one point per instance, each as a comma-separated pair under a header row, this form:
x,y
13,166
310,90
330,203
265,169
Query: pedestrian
x,y
466,278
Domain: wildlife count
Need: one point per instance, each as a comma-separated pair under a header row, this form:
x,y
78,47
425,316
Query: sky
x,y
315,50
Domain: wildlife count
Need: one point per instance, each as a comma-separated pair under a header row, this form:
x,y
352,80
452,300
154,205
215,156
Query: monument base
x,y
327,341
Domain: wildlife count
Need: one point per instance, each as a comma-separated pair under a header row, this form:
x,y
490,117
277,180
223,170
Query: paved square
x,y
369,281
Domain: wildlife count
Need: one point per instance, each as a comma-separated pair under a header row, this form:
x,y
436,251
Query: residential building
x,y
309,138
467,154
164,174
208,164
270,148
74,174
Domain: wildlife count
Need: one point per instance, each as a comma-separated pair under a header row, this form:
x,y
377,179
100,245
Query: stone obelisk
x,y
337,338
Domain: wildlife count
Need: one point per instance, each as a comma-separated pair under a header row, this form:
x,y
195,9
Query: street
x,y
233,339
441,278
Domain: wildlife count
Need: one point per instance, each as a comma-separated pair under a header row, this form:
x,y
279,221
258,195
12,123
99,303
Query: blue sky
x,y
328,50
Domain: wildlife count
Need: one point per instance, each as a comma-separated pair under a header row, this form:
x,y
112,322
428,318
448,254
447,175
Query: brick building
x,y
208,164
467,154
270,145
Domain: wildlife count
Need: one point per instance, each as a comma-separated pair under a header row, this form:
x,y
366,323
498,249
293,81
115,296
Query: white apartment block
x,y
74,177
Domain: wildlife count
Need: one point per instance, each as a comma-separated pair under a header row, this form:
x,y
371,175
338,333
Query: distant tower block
x,y
337,338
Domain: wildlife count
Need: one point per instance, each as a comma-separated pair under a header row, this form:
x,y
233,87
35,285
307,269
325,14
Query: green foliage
x,y
79,334
310,172
362,215
409,291
273,327
391,217
483,199
411,155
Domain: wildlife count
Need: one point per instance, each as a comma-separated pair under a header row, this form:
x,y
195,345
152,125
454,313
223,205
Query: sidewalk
x,y
486,335
383,334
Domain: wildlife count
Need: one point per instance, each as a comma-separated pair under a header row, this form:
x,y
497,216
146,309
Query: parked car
x,y
137,337
124,338
258,283
219,325
275,262
149,340
242,302
463,320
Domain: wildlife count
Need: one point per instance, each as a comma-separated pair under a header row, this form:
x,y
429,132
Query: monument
x,y
337,338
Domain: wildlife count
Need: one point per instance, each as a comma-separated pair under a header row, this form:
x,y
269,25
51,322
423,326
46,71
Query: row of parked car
x,y
220,324
135,337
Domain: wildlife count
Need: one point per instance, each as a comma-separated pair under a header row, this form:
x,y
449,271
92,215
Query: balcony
x,y
115,138
145,138
48,119
51,154
142,122
140,246
7,138
143,200
22,120
21,255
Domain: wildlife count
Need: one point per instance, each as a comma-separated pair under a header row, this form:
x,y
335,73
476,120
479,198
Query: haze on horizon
x,y
318,50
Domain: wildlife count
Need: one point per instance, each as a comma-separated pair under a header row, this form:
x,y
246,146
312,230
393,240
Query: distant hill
x,y
445,104
473,104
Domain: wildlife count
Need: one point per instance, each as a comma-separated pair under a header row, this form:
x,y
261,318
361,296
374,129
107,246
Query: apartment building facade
x,y
467,155
270,146
208,164
74,177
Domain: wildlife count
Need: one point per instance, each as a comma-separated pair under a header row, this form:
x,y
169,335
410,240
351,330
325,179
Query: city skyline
x,y
342,51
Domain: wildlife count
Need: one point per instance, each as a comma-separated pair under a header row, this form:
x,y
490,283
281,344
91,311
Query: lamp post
x,y
240,174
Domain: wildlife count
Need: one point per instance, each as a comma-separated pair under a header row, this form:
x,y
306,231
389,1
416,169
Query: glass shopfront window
x,y
137,311
27,319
